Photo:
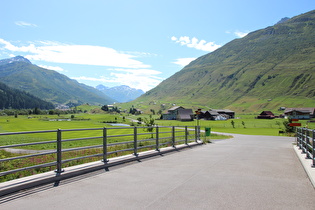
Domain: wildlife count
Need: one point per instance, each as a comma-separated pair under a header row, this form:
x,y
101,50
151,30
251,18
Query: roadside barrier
x,y
306,142
33,152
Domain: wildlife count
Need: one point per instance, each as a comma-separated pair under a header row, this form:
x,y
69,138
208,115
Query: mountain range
x,y
121,93
267,69
19,73
49,85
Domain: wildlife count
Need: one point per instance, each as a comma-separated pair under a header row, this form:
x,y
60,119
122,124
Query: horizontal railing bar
x,y
111,136
81,148
147,146
81,129
79,139
119,143
26,132
83,157
27,144
27,156
28,168
123,150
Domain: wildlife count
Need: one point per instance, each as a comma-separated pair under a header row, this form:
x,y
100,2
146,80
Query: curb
x,y
307,164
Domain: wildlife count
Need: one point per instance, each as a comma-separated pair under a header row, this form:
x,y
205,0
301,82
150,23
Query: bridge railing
x,y
32,152
306,142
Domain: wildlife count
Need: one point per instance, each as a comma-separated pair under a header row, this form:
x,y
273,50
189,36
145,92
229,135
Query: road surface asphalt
x,y
245,172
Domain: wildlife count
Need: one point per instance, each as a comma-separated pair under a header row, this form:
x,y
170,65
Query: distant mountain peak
x,y
285,19
122,93
15,59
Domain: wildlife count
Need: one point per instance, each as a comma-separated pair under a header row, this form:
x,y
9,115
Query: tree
x,y
149,123
233,124
105,108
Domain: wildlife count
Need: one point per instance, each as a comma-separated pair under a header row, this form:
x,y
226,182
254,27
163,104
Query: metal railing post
x,y
303,140
59,153
313,148
196,135
105,160
186,135
135,143
299,136
307,143
173,136
157,139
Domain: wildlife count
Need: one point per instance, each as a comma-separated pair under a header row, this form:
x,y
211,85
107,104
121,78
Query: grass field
x,y
242,125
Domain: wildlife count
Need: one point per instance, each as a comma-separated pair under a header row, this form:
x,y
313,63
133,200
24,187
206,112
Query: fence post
x,y
186,135
313,148
105,145
298,138
196,135
173,136
303,140
135,143
157,139
307,142
59,153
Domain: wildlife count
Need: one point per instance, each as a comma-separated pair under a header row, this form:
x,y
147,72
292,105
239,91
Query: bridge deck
x,y
246,172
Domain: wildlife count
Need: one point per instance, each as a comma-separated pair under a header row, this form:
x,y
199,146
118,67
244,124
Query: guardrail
x,y
306,142
34,152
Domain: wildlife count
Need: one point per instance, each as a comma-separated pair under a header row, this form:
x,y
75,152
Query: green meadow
x,y
243,124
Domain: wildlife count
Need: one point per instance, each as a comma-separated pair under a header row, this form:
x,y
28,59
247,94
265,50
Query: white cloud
x,y
144,79
124,67
183,61
25,24
76,54
240,34
56,68
195,43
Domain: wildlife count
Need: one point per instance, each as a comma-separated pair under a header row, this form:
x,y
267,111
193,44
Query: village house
x,y
185,115
172,113
178,113
216,114
299,113
266,115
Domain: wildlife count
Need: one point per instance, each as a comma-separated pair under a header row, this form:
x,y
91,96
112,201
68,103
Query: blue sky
x,y
138,43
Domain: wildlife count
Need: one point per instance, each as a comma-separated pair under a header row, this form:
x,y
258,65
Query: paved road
x,y
246,172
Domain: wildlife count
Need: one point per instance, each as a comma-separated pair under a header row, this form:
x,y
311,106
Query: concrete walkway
x,y
246,172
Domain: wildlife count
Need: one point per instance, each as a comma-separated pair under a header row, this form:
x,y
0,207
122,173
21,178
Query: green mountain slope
x,y
267,69
48,84
16,99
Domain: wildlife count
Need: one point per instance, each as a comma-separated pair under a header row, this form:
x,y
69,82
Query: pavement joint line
x,y
307,164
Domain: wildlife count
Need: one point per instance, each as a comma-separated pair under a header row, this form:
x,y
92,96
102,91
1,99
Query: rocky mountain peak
x,y
14,59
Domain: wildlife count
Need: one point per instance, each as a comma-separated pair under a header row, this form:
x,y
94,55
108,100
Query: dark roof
x,y
302,110
185,114
175,108
266,113
223,110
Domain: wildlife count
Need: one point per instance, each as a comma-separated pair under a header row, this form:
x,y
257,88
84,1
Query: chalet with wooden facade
x,y
179,113
266,115
216,114
299,113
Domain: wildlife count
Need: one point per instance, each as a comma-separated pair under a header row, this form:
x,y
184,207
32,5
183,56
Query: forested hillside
x,y
15,99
